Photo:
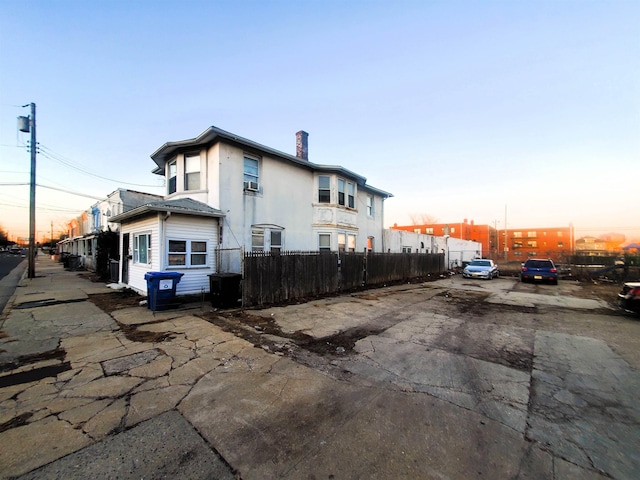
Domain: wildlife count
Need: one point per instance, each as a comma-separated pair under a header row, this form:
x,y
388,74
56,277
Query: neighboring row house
x,y
83,230
227,195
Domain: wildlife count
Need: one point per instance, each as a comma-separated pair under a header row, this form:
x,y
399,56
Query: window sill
x,y
185,267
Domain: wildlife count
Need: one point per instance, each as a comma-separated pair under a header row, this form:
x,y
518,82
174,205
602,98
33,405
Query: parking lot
x,y
552,368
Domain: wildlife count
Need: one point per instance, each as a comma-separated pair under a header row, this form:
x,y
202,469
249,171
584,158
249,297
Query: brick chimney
x,y
302,145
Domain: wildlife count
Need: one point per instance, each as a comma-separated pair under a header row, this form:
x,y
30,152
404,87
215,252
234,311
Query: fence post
x,y
242,265
364,268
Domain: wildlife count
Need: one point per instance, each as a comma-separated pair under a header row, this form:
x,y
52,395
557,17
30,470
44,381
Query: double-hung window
x,y
187,253
324,189
346,242
342,242
267,239
370,210
276,241
192,172
142,248
351,195
172,174
324,242
257,240
251,175
346,193
351,243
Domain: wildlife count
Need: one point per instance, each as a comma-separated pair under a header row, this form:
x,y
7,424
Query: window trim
x,y
250,180
324,193
342,184
324,248
352,242
187,172
172,181
255,234
136,248
371,206
188,253
267,234
351,195
276,247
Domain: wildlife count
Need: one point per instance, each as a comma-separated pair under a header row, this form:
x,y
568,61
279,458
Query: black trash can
x,y
114,270
74,262
161,289
225,289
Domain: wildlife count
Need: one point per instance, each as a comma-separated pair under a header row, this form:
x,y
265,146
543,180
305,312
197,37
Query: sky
x,y
527,112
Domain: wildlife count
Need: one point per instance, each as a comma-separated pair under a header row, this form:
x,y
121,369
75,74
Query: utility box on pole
x,y
23,124
28,125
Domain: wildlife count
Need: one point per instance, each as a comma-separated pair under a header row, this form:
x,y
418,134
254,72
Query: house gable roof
x,y
214,134
183,206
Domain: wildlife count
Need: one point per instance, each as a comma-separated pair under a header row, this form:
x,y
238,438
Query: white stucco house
x,y
227,195
456,251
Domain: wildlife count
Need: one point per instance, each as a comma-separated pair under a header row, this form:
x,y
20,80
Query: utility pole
x,y
32,195
28,124
506,248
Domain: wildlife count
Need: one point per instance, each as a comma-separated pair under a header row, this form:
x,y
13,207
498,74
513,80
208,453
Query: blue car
x,y
539,270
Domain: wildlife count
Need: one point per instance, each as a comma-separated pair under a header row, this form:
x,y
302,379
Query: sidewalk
x,y
72,382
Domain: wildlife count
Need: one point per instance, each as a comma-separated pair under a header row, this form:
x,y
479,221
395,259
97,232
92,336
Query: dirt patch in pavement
x,y
607,291
253,328
110,302
132,334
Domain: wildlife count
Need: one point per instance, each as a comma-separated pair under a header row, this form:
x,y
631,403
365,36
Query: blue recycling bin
x,y
161,289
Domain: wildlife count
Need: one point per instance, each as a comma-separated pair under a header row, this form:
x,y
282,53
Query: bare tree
x,y
4,237
422,219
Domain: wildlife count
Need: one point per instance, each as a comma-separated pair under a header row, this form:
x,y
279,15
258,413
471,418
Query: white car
x,y
481,268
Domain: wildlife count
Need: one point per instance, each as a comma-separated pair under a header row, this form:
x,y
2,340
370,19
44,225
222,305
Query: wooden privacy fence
x,y
285,276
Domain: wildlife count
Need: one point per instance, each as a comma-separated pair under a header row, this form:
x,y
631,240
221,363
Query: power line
x,y
52,155
54,188
43,208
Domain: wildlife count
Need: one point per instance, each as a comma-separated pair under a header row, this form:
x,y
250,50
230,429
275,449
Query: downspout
x,y
123,257
162,240
384,247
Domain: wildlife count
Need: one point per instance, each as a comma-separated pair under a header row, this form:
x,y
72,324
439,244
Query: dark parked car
x,y
539,270
629,297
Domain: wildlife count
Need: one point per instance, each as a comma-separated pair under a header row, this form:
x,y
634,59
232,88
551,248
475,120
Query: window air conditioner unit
x,y
252,186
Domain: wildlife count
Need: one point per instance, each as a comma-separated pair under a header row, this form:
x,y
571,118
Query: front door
x,y
125,258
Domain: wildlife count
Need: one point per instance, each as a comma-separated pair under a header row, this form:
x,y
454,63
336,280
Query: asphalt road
x,y
11,270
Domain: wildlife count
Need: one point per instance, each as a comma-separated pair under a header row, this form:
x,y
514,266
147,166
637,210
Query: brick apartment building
x,y
514,245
